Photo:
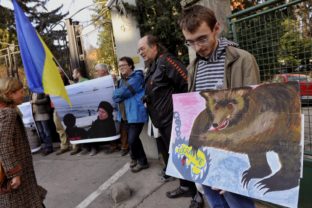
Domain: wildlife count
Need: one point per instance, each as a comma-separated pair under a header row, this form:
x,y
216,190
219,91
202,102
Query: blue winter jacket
x,y
132,97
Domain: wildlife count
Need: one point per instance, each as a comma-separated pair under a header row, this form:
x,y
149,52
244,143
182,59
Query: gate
x,y
9,61
279,34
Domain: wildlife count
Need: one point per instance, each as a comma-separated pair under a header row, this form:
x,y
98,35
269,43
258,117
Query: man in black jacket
x,y
165,76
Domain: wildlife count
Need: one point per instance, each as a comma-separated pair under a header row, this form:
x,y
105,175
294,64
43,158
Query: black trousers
x,y
163,144
134,141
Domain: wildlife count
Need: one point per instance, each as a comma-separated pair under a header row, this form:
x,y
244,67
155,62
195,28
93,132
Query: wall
x,y
126,34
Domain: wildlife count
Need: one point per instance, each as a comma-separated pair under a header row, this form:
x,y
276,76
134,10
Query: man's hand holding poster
x,y
246,140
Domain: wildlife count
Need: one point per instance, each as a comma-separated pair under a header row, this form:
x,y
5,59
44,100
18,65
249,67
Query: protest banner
x,y
83,120
247,140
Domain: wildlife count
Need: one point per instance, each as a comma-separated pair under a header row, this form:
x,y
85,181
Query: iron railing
x,y
279,34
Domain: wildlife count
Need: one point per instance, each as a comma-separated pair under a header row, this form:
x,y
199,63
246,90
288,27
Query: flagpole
x,y
59,66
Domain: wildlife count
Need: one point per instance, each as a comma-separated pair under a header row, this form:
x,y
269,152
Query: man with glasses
x,y
165,76
131,110
219,64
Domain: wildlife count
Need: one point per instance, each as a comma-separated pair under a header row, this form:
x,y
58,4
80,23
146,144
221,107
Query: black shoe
x,y
133,163
62,151
178,193
139,167
197,201
75,151
46,152
124,152
196,204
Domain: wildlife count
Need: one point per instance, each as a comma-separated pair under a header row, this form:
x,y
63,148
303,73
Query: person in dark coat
x,y
21,188
41,110
165,75
72,131
104,125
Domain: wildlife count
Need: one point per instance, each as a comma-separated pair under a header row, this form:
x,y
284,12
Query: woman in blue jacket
x,y
128,95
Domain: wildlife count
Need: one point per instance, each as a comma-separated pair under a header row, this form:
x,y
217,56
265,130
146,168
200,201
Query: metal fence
x,y
9,61
279,34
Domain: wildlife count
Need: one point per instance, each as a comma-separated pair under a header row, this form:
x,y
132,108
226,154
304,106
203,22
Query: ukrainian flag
x,y
40,68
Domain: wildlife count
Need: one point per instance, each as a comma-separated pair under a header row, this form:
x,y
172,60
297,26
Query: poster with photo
x,y
91,118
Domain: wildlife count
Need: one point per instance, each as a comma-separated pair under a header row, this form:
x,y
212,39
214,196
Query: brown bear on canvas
x,y
254,122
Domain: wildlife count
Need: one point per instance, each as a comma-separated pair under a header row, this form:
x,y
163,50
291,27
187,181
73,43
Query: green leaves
x,y
44,21
160,18
106,50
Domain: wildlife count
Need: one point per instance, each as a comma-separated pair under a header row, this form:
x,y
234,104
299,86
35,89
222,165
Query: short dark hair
x,y
69,120
128,60
107,107
192,17
82,72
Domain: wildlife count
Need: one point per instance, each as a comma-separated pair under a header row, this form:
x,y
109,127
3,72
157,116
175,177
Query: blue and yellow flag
x,y
40,68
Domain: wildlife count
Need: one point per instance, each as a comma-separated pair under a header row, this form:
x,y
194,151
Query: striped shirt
x,y
210,71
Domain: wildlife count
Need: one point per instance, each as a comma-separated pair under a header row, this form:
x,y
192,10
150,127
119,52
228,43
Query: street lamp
x,y
75,39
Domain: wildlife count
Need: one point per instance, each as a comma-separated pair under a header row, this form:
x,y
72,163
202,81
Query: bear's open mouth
x,y
221,125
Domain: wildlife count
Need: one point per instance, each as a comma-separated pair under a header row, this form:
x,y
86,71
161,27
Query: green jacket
x,y
82,79
240,69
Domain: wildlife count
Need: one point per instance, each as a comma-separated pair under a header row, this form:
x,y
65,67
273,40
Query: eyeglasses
x,y
203,40
122,65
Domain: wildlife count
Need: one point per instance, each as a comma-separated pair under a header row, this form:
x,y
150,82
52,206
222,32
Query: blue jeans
x,y
227,200
134,130
44,130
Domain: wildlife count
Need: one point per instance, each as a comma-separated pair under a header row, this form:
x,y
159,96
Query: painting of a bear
x,y
242,121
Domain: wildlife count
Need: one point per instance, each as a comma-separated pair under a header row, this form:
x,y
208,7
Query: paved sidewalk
x,y
71,180
148,191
